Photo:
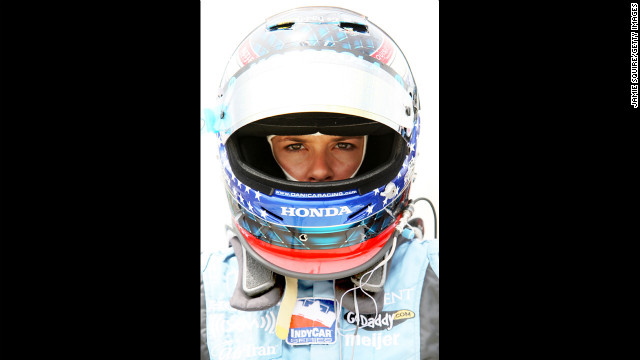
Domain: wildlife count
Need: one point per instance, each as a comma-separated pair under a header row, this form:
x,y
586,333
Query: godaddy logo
x,y
385,320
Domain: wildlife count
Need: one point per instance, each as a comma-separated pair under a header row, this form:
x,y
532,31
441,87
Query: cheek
x,y
347,161
292,161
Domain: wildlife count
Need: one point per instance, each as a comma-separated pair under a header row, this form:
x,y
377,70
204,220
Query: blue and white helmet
x,y
303,71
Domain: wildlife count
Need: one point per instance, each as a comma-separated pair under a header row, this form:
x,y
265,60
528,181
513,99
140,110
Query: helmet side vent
x,y
361,28
282,26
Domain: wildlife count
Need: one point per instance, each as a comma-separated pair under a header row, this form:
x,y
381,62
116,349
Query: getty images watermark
x,y
634,55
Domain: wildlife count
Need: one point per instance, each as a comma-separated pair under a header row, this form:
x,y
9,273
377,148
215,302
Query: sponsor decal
x,y
313,322
246,53
391,297
312,195
248,335
376,340
240,323
384,52
315,212
385,320
242,351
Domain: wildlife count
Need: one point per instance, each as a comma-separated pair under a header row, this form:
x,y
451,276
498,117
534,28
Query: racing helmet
x,y
304,71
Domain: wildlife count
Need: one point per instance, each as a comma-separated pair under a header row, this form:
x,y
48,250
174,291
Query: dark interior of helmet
x,y
252,161
312,122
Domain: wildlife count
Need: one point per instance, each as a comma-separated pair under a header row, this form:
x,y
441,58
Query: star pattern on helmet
x,y
263,213
225,164
246,189
257,194
370,209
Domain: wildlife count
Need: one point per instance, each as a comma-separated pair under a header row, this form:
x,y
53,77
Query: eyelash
x,y
292,147
347,146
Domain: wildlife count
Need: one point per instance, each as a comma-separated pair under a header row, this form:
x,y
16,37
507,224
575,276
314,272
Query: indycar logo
x,y
313,322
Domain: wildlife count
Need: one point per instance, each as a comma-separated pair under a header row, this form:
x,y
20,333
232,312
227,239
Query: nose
x,y
320,169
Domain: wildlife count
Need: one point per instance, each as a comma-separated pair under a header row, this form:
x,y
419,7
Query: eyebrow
x,y
296,138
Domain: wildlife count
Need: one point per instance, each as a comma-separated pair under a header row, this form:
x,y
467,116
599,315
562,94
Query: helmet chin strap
x,y
291,178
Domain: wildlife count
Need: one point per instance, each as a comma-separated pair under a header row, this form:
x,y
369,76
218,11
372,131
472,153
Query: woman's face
x,y
316,158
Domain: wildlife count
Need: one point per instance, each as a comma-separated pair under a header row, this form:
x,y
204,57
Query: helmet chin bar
x,y
376,249
257,279
263,285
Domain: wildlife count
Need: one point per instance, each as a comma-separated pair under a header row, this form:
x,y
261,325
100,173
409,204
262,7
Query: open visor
x,y
317,59
317,81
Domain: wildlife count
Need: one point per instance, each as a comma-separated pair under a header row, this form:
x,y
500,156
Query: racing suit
x,y
406,328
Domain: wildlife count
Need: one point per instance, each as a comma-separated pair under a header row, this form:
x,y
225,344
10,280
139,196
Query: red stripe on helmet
x,y
319,261
384,52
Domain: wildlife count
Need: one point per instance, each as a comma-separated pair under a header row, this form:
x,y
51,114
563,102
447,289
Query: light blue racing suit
x,y
407,328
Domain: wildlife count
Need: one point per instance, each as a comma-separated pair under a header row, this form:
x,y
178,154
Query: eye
x,y
295,147
345,146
